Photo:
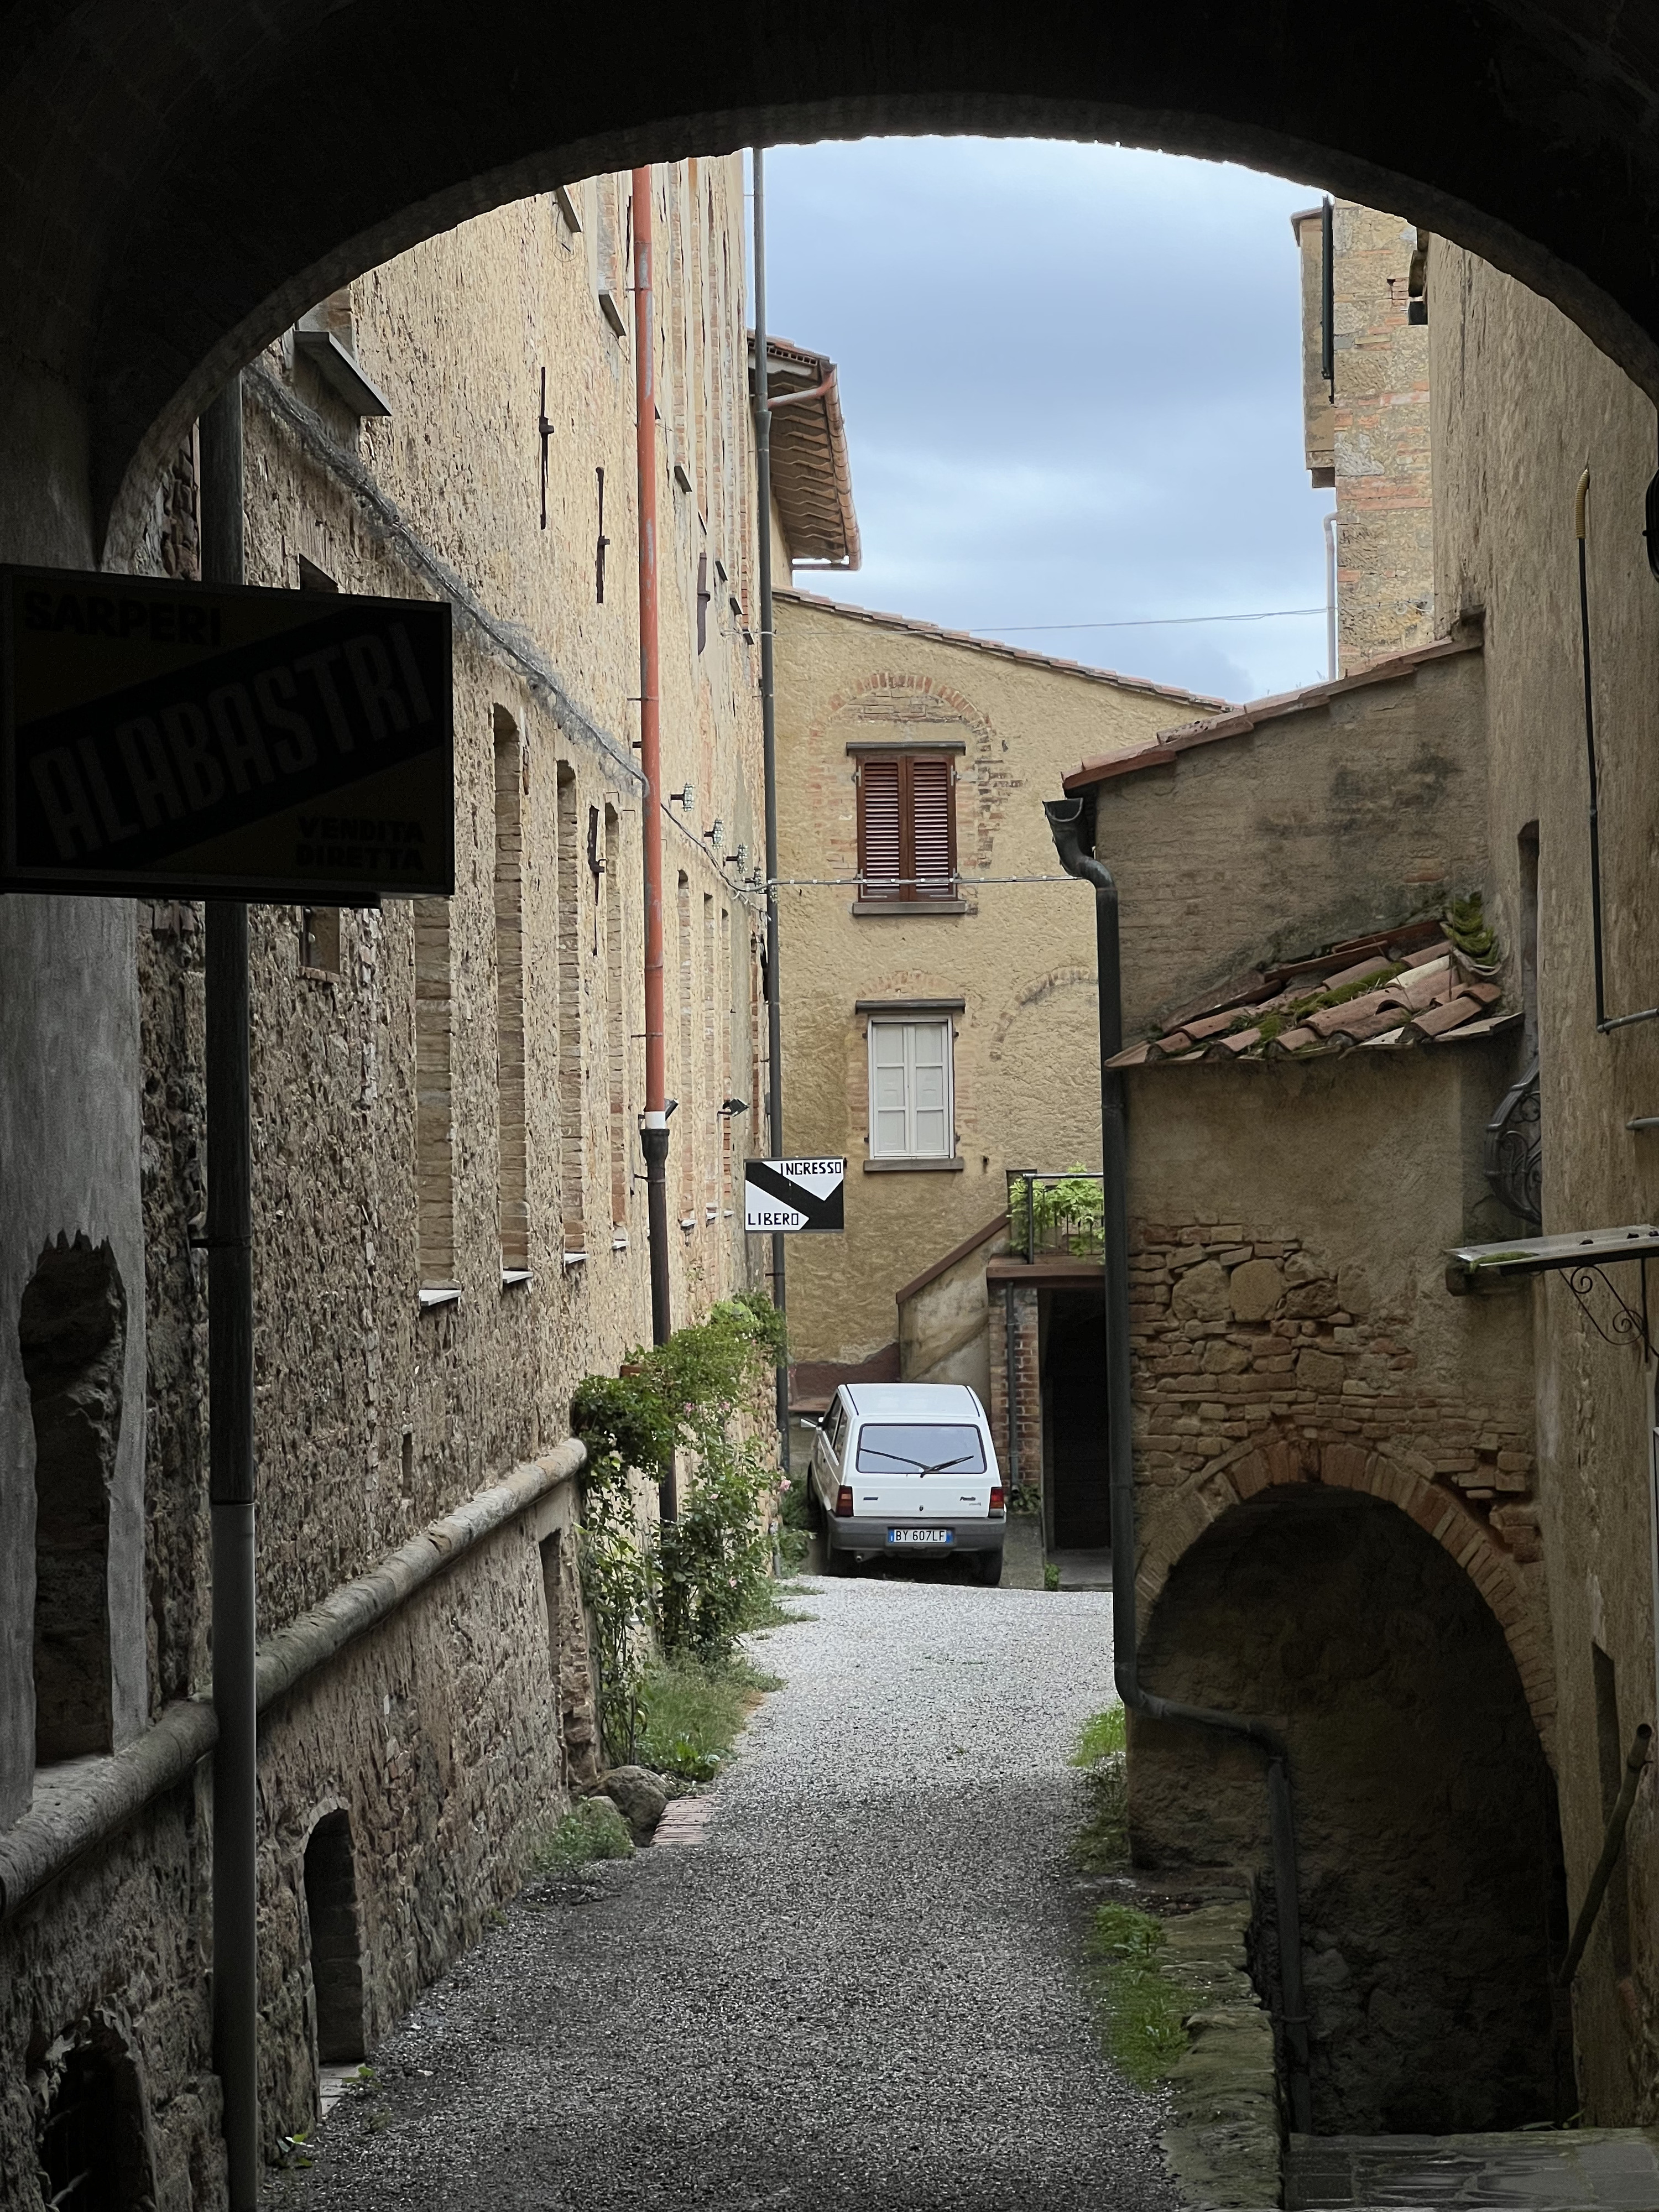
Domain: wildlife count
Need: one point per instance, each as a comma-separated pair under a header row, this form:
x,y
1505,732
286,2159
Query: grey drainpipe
x,y
1066,821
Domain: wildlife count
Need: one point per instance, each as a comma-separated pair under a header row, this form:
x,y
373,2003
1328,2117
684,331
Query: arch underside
x,y
181,182
1515,1602
1429,1867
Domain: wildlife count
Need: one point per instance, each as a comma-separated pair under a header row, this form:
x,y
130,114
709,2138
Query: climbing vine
x,y
684,1586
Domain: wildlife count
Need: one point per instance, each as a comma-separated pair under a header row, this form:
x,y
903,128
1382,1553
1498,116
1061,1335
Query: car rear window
x,y
915,1447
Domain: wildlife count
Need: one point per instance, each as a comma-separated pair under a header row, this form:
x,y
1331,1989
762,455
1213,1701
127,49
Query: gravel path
x,y
859,1992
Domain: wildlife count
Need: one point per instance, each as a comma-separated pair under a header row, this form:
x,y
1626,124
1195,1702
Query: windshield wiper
x,y
944,1466
878,1453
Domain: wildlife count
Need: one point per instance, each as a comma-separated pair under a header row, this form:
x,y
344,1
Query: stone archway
x,y
1432,1885
146,253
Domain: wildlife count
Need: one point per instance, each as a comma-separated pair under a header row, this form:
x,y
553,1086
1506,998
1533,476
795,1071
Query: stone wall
x,y
450,1737
1311,1340
1369,437
1318,822
1523,403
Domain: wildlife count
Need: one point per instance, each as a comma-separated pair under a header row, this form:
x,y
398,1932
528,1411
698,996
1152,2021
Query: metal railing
x,y
1058,1214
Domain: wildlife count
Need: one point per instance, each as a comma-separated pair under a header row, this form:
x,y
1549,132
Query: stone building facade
x,y
448,1194
1368,429
985,968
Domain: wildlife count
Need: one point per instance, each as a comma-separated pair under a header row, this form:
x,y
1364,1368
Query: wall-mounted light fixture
x,y
731,1107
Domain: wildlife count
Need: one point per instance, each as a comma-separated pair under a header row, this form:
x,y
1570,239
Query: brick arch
x,y
146,254
1171,1529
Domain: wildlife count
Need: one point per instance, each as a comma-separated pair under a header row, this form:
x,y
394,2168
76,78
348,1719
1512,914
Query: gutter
x,y
1067,823
74,1811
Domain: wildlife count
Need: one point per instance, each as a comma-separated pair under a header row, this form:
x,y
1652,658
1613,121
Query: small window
x,y
910,1102
319,938
907,827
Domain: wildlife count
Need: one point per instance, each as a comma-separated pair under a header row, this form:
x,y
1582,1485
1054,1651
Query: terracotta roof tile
x,y
1423,989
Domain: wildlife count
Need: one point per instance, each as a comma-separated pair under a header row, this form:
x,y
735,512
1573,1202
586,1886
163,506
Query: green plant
x,y
592,1829
1465,926
691,1714
1101,1736
622,1418
693,1583
1102,1844
1050,1578
1070,1206
1144,2009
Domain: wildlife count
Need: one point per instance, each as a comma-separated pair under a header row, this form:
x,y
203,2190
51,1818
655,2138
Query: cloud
x,y
1071,381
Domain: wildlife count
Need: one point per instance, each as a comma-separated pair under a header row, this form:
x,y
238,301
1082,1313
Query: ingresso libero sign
x,y
174,739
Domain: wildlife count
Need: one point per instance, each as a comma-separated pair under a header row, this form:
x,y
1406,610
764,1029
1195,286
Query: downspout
x,y
764,405
231,1471
1065,821
654,1134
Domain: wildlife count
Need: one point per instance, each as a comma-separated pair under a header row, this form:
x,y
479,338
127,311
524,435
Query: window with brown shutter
x,y
907,827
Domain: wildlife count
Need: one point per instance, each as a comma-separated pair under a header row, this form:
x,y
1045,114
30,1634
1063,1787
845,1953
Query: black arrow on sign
x,y
827,1213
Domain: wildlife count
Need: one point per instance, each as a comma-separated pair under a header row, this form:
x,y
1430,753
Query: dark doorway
x,y
1431,1874
337,1972
1074,1454
72,1334
89,2138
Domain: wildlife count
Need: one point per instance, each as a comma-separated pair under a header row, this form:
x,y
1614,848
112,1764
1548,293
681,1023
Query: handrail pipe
x,y
1068,826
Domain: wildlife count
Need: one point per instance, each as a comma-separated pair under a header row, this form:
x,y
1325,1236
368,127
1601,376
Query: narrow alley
x,y
859,1988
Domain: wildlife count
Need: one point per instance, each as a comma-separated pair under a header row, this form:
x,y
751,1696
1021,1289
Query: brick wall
x,y
1260,1360
1024,1461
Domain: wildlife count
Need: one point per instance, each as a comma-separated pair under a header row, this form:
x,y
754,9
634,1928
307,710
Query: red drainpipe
x,y
653,1135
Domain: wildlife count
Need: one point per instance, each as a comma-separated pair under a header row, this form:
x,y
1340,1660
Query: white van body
x,y
908,1468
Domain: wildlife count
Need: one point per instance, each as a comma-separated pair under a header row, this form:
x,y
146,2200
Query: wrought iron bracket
x,y
1513,1154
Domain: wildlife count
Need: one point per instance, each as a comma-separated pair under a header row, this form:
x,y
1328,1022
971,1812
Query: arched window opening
x,y
72,1333
90,2134
337,1970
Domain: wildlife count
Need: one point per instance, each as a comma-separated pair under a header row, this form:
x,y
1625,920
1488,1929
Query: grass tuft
x,y
691,1714
592,1829
1102,1844
1143,2009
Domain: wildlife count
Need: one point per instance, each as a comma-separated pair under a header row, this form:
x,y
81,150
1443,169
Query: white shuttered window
x,y
910,1104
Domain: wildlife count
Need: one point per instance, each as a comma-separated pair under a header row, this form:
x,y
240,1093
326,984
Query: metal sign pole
x,y
230,1382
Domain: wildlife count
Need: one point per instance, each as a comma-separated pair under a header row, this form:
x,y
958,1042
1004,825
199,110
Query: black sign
x,y
202,743
786,1197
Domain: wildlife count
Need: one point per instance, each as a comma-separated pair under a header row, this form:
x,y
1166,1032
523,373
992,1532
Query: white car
x,y
908,1468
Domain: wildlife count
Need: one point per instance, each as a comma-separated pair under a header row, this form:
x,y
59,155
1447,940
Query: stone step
x,y
1535,2170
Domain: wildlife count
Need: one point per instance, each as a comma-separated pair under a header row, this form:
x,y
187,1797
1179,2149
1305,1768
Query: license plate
x,y
921,1536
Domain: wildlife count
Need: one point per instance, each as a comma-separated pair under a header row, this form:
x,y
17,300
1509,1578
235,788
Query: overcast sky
x,y
1070,381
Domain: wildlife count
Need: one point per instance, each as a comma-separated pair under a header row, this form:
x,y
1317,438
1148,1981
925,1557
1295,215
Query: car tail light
x,y
844,1502
999,1498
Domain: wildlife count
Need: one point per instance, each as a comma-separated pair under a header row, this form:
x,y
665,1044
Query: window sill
x,y
915,1167
513,1278
339,370
908,909
440,1294
570,1259
619,1240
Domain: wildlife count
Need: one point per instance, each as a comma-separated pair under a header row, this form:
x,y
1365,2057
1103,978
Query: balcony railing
x,y
1050,1213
